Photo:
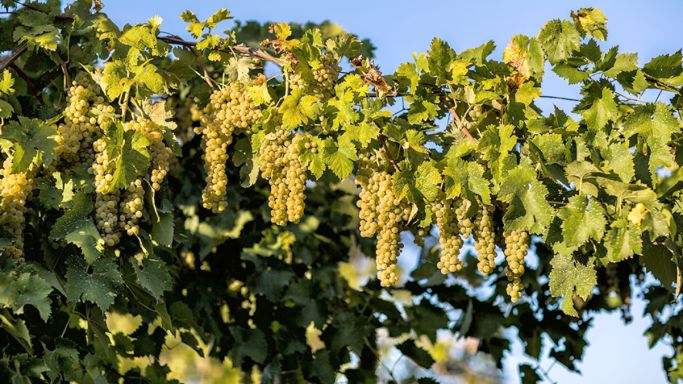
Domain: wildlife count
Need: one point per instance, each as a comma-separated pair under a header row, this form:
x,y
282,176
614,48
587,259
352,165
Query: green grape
x,y
465,225
390,214
368,205
516,247
131,207
82,121
484,239
161,156
229,108
449,237
106,217
15,188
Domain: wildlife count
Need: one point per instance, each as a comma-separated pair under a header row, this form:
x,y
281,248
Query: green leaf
x,y
439,57
552,146
162,230
619,159
418,355
249,343
153,275
298,108
76,227
569,277
601,111
428,180
363,133
528,207
623,240
572,74
667,68
128,151
33,142
467,177
559,39
624,62
658,259
654,124
97,283
583,218
22,287
88,239
7,82
339,157
592,22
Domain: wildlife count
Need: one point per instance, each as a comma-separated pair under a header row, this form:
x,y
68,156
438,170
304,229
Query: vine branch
x,y
460,125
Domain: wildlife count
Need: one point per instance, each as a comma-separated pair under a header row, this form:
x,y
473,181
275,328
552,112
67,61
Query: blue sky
x,y
618,353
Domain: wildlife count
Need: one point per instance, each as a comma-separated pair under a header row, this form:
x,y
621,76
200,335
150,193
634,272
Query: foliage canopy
x,y
101,122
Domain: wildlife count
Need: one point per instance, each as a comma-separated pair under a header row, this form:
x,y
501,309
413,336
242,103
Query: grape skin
x,y
229,108
449,237
516,247
15,188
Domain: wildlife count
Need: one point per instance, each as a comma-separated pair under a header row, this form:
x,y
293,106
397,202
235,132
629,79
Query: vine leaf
x,y
591,21
298,108
559,39
153,275
97,283
22,287
428,180
623,240
569,276
76,227
128,151
339,157
602,111
528,207
32,141
654,124
583,218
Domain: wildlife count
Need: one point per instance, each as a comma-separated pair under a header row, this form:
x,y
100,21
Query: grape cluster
x,y
282,166
161,156
484,239
516,246
15,188
80,128
390,213
230,108
368,204
131,207
326,75
103,167
449,237
465,225
106,217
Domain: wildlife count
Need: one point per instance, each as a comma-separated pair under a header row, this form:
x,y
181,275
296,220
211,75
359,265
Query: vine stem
x,y
241,49
458,122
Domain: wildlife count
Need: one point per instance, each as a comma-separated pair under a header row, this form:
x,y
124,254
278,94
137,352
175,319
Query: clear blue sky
x,y
618,353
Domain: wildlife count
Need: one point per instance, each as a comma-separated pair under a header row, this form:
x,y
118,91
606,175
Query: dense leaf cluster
x,y
120,228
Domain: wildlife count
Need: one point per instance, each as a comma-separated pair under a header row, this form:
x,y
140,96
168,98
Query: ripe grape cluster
x,y
368,204
449,236
161,156
516,247
131,207
485,243
230,108
326,75
381,214
106,217
15,188
465,225
390,214
84,114
281,164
